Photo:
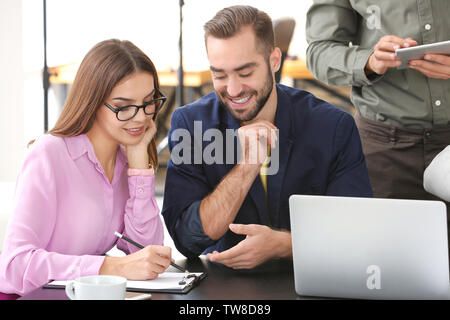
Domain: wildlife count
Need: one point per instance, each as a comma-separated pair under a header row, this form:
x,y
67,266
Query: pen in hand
x,y
121,236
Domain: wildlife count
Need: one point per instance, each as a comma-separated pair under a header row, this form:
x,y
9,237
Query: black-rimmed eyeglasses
x,y
151,107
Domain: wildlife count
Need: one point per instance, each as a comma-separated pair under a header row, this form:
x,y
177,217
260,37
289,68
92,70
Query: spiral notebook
x,y
168,282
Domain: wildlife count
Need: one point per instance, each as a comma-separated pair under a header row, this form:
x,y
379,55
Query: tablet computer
x,y
417,52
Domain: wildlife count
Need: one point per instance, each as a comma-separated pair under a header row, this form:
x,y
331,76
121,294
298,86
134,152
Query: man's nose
x,y
234,87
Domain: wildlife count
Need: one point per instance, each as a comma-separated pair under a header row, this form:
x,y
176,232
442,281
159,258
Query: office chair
x,y
283,29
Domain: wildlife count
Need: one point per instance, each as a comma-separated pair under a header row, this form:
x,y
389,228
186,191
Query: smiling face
x,y
243,76
135,89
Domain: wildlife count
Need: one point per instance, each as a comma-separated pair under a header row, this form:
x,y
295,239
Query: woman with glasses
x,y
90,176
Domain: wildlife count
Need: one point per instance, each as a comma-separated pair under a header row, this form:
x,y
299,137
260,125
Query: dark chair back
x,y
283,29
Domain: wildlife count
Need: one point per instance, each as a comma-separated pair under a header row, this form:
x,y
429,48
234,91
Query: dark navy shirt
x,y
319,152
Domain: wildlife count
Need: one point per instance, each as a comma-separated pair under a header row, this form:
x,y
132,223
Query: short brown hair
x,y
102,68
229,21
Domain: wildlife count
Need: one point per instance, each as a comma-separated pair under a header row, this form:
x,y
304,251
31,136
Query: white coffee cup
x,y
99,287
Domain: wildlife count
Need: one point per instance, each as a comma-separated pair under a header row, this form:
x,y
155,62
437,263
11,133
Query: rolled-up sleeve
x,y
185,188
333,55
189,231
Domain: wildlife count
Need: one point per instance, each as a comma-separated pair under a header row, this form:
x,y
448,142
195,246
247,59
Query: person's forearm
x,y
344,65
138,160
219,209
142,221
26,267
330,57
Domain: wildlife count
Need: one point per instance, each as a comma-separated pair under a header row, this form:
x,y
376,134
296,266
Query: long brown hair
x,y
102,68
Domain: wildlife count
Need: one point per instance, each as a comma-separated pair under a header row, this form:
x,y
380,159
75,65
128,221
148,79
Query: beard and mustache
x,y
261,98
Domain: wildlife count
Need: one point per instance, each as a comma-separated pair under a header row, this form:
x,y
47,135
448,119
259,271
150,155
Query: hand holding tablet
x,y
432,60
383,56
418,52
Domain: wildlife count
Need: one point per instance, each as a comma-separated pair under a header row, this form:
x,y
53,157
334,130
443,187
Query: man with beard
x,y
237,212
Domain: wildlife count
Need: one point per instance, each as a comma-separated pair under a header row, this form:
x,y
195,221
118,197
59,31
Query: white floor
x,y
6,208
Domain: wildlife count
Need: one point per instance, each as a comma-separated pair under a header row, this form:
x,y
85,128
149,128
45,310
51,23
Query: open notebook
x,y
169,282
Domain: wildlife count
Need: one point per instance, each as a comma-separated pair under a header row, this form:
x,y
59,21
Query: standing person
x,y
232,208
90,176
403,116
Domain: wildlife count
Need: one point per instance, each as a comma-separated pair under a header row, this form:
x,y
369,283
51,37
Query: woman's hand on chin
x,y
137,154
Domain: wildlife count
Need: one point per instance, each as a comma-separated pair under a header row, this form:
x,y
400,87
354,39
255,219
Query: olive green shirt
x,y
341,35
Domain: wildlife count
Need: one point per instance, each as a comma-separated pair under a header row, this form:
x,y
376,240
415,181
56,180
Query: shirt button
x,y
428,26
437,103
380,117
140,182
428,134
140,190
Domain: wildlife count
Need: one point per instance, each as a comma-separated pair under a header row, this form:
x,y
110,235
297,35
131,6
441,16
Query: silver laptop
x,y
369,248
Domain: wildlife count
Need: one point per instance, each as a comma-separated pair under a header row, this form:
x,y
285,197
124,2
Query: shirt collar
x,y
80,145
